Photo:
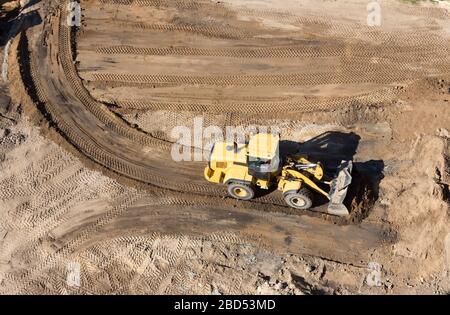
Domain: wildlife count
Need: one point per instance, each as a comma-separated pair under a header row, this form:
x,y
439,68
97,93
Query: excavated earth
x,y
87,115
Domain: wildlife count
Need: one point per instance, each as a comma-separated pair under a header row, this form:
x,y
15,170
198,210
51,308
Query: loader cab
x,y
263,156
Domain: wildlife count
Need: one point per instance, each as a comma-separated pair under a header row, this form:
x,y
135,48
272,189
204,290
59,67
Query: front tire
x,y
241,191
302,200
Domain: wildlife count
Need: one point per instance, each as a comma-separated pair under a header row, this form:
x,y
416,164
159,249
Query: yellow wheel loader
x,y
244,167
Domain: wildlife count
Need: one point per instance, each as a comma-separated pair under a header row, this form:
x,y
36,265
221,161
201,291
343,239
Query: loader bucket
x,y
338,189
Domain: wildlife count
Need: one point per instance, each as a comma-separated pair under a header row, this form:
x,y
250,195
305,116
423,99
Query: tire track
x,y
92,148
109,161
157,3
307,51
293,79
36,175
259,108
25,279
206,30
46,208
283,16
274,52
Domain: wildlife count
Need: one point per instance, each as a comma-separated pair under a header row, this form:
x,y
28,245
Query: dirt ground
x,y
87,181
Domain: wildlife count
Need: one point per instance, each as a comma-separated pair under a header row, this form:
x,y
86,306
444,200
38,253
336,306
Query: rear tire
x,y
302,200
241,191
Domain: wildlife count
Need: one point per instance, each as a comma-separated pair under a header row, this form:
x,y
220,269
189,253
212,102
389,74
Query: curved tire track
x,y
105,138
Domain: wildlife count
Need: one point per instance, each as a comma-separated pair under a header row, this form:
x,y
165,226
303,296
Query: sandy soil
x,y
87,177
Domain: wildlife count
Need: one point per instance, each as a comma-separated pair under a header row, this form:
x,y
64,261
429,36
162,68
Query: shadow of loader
x,y
330,148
